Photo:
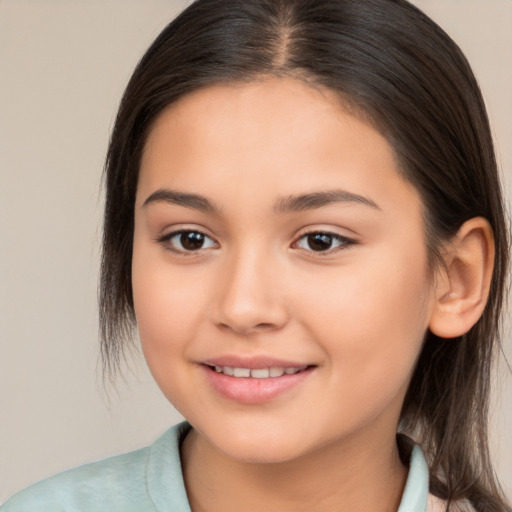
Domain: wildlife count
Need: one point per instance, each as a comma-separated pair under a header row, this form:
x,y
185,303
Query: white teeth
x,y
260,374
276,372
257,373
241,372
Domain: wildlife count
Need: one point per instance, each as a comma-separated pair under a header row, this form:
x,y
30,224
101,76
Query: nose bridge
x,y
249,296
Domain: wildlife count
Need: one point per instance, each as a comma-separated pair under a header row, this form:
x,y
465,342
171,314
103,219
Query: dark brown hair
x,y
391,62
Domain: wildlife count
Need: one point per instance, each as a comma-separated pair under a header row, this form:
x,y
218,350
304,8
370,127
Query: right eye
x,y
187,241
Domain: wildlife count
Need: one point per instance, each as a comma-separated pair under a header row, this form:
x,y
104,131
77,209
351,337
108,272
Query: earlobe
x,y
464,281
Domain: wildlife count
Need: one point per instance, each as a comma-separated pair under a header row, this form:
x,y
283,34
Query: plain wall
x,y
63,67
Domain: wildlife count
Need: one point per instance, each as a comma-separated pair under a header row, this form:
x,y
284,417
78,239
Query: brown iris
x,y
319,241
192,240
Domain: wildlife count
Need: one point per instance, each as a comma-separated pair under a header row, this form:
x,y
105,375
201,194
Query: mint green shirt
x,y
150,480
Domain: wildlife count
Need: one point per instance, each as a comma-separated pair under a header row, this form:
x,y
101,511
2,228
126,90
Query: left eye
x,y
187,241
322,242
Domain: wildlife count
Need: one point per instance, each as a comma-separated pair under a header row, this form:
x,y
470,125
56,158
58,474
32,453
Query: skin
x,y
357,313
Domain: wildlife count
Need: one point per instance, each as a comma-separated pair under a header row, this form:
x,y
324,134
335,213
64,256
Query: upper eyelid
x,y
302,233
334,231
176,231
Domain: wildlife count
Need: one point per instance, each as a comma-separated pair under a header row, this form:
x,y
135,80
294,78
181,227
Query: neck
x,y
343,476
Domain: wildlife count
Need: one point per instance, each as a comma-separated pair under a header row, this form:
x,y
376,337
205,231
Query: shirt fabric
x,y
151,480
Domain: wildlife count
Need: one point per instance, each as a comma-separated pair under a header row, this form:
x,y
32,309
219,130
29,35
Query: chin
x,y
260,454
257,446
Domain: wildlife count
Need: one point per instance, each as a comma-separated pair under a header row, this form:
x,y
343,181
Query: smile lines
x,y
257,373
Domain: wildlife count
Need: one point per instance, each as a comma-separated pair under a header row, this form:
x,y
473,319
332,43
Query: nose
x,y
251,297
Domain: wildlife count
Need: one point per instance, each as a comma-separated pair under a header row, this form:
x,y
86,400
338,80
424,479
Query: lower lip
x,y
248,390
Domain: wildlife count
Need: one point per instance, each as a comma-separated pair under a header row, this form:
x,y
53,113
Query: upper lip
x,y
253,362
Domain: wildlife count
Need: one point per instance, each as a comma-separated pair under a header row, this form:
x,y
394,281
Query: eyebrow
x,y
283,205
193,201
318,199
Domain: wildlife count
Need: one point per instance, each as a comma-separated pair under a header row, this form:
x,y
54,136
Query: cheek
x,y
166,304
372,316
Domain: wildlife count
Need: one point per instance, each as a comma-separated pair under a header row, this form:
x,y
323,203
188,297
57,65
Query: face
x,y
279,270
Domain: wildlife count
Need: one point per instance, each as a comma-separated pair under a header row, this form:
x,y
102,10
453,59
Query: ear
x,y
462,284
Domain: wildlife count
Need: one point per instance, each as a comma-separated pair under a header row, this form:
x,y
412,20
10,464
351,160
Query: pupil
x,y
192,241
319,241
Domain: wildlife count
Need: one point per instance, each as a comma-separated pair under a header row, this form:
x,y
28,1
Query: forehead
x,y
278,132
246,112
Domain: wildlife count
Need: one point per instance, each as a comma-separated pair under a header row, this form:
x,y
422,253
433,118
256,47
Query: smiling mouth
x,y
262,382
257,373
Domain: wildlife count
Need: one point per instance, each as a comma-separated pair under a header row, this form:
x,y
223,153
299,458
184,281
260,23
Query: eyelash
x,y
344,242
165,240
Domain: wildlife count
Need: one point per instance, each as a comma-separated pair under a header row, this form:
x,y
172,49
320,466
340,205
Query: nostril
x,y
264,326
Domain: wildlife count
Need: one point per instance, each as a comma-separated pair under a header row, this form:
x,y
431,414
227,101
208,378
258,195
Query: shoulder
x,y
122,483
91,487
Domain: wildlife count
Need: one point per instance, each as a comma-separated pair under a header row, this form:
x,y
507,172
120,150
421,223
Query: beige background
x,y
63,67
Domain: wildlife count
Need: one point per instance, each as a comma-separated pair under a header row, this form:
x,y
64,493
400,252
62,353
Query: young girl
x,y
304,221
